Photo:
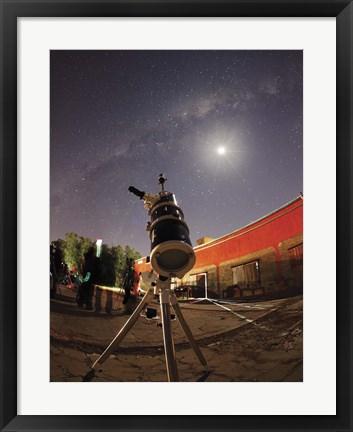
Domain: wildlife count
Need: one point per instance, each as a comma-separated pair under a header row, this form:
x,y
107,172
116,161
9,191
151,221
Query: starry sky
x,y
225,127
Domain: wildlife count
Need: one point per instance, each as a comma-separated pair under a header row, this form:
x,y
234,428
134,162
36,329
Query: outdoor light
x,y
99,247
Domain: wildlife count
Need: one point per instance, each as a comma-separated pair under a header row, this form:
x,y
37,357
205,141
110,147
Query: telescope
x,y
171,256
171,249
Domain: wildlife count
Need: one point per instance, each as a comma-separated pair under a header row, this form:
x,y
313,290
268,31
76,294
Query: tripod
x,y
167,298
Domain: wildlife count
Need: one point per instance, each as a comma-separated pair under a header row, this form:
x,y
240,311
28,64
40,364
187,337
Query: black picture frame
x,y
10,11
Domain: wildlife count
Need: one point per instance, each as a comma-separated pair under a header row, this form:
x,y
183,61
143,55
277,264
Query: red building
x,y
260,258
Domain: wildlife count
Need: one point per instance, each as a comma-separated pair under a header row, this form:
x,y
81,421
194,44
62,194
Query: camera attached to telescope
x,y
171,248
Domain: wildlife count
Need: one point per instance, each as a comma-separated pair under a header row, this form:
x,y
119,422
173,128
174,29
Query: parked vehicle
x,y
71,282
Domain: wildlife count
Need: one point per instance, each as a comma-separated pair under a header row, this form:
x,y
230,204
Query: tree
x,y
59,244
72,250
131,253
84,244
120,255
119,260
107,266
112,265
56,256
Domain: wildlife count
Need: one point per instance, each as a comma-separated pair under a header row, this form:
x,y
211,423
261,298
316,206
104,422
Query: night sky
x,y
225,127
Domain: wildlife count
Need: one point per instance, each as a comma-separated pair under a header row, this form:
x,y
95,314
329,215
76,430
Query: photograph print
x,y
176,215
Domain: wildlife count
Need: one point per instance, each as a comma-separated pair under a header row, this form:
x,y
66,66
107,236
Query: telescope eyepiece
x,y
136,192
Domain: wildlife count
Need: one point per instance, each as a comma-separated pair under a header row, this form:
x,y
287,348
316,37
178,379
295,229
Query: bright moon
x,y
221,150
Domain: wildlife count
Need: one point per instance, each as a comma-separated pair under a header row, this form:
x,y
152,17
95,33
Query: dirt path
x,y
269,349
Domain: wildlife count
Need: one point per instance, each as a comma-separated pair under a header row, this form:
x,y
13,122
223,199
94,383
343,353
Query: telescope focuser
x,y
136,192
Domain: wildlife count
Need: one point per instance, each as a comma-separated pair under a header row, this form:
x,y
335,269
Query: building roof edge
x,y
199,247
300,197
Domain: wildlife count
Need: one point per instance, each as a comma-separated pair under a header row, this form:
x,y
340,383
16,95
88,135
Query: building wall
x,y
210,270
266,240
292,275
268,268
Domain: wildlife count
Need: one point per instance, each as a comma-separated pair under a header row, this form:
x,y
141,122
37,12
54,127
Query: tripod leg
x,y
172,370
125,329
187,331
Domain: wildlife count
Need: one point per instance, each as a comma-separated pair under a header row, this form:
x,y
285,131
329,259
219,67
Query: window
x,y
296,255
199,281
247,275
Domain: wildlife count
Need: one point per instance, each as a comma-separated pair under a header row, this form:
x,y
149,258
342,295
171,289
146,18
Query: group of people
x,y
90,271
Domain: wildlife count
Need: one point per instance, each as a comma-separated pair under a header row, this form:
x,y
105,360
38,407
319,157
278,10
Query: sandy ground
x,y
267,346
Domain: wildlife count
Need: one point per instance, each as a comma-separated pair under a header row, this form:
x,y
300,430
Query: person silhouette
x,y
89,271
